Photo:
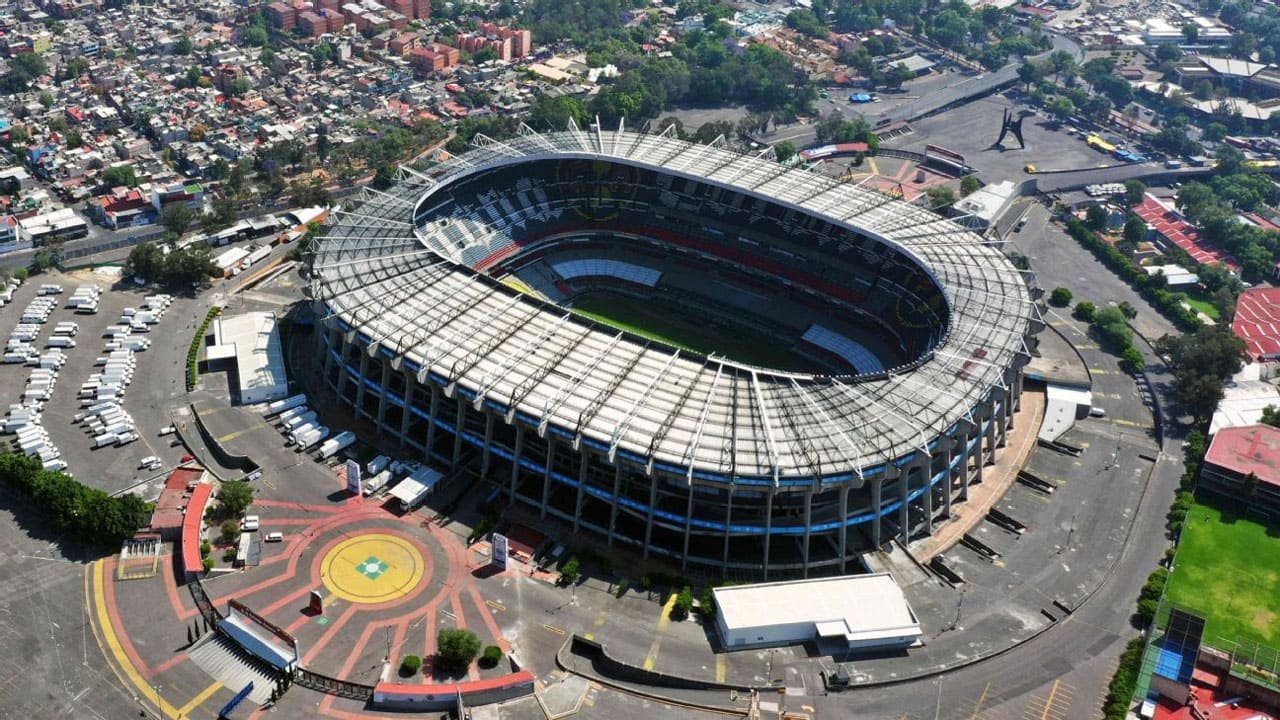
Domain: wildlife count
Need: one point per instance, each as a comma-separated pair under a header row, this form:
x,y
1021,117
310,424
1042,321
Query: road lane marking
x,y
663,621
199,699
981,699
145,689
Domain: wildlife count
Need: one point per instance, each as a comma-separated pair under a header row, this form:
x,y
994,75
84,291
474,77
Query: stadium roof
x,y
404,289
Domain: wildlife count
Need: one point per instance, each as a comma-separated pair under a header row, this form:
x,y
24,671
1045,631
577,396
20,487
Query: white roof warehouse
x,y
862,611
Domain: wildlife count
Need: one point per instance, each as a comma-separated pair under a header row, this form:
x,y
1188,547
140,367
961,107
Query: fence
x,y
203,603
332,686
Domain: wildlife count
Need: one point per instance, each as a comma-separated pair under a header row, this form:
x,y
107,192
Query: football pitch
x,y
677,326
1228,570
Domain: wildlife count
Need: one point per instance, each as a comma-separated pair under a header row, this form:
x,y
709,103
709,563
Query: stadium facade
x,y
442,319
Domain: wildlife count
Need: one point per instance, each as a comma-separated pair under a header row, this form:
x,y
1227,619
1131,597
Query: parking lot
x,y
147,399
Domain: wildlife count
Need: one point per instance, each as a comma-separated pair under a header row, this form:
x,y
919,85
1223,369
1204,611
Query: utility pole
x,y
388,629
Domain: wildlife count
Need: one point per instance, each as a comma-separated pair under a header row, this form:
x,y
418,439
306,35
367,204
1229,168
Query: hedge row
x,y
193,352
1166,302
1125,681
86,514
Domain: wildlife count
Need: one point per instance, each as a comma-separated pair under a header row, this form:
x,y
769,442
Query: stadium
x,y
702,356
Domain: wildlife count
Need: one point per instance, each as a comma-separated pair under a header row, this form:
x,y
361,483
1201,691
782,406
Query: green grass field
x,y
1201,303
675,326
1228,569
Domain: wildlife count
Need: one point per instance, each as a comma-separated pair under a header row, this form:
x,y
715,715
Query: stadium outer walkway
x,y
996,480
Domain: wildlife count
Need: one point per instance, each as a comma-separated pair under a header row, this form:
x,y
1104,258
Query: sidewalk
x,y
996,480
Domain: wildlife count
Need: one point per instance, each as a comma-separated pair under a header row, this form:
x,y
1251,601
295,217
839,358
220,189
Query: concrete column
x,y
1002,432
361,388
971,433
582,481
904,510
768,529
405,415
432,411
989,457
808,515
546,477
688,528
343,378
384,380
516,454
613,507
950,458
458,424
844,526
728,519
488,441
877,488
928,497
648,521
327,334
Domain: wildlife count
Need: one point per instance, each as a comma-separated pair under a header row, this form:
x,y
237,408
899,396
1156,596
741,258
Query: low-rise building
x,y
1243,464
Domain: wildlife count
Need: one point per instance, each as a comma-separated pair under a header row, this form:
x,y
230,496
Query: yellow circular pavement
x,y
371,569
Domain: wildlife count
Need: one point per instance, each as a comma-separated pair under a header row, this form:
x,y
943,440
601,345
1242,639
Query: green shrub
x,y
1060,297
707,604
410,665
1124,681
455,649
491,656
1084,311
208,564
230,532
205,548
683,604
571,571
229,555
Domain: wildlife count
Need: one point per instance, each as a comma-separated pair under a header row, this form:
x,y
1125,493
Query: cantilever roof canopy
x,y
411,294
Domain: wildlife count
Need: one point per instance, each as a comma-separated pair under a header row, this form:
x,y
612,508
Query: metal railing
x,y
332,686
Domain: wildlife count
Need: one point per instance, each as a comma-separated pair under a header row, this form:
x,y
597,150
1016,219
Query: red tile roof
x,y
1172,227
1249,449
1257,322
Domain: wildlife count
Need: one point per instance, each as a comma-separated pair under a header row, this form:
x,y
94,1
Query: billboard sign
x,y
500,551
353,477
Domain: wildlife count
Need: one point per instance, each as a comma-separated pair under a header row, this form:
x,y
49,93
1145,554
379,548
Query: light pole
x,y
159,709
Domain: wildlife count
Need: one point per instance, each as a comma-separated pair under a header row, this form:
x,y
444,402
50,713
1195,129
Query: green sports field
x,y
1228,569
676,326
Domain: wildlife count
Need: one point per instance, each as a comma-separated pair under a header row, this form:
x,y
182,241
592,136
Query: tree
x,y
23,69
898,76
1096,217
1214,132
1060,297
46,99
1127,310
182,46
238,87
455,649
1084,311
940,196
145,261
1112,329
120,175
969,184
1030,73
1202,361
230,531
1135,230
177,218
1133,192
554,113
1061,107
234,497
571,571
806,22
784,150
1132,361
1190,33
1271,416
